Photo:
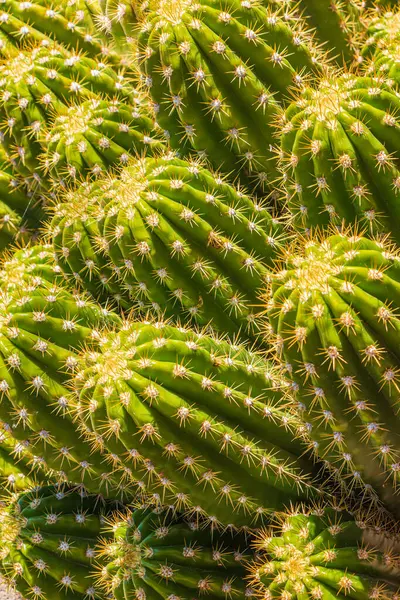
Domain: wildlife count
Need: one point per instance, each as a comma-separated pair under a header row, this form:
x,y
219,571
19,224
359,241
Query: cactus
x,y
379,49
177,238
321,555
90,137
15,475
118,19
72,23
20,211
156,555
40,82
334,309
195,421
336,23
216,75
338,155
48,537
43,327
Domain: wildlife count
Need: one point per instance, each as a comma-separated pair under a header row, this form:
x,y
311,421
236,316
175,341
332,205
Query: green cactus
x,y
43,327
334,309
216,74
339,155
118,20
49,537
156,555
90,137
195,421
72,23
39,83
176,237
336,23
20,210
317,555
381,32
15,475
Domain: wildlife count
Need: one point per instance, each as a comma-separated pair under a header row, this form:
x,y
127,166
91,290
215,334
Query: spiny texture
x,y
216,73
177,239
154,555
39,83
20,212
72,23
336,24
380,53
89,138
334,308
15,474
194,420
339,155
48,543
43,326
119,21
323,556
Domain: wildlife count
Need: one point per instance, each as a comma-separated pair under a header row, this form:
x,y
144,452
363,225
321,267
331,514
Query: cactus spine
x,y
334,310
323,556
48,543
156,555
339,151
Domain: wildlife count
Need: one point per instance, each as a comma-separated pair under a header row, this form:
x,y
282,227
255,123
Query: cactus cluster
x,y
200,299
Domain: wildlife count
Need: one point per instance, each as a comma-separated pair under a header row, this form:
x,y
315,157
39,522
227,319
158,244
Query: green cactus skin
x,y
338,154
334,308
324,556
37,84
216,75
89,138
178,238
49,537
72,24
195,421
43,327
336,24
156,556
381,33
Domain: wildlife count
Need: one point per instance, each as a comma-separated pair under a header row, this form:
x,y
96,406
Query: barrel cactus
x,y
195,421
155,555
91,137
216,75
324,556
43,327
176,238
72,23
333,307
40,82
16,474
339,153
49,537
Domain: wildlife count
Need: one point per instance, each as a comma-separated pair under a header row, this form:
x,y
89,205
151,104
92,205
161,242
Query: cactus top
x,y
321,557
339,151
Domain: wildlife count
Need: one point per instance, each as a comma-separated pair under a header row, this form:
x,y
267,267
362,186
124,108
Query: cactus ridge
x,y
49,536
339,155
155,555
334,310
216,76
317,555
